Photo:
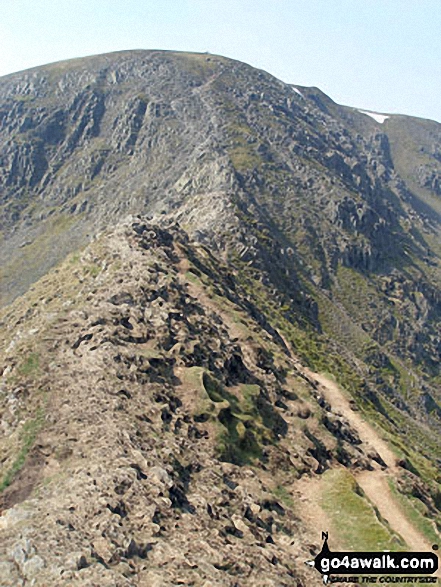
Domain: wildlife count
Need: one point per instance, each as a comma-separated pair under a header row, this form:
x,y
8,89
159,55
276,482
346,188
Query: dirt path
x,y
374,483
340,404
376,487
308,492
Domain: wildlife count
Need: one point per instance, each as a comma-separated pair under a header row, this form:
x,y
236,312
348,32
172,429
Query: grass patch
x,y
415,512
192,277
281,493
244,421
30,365
28,264
249,392
93,270
200,65
244,158
28,435
204,405
353,519
217,392
237,443
150,352
74,259
193,376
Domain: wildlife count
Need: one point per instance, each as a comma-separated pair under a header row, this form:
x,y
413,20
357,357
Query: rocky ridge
x,y
318,198
163,364
165,422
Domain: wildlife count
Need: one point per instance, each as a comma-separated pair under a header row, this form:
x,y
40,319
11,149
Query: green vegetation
x,y
417,512
411,142
249,393
28,434
310,345
339,320
243,156
354,520
74,259
22,270
192,276
93,270
410,441
237,443
244,420
23,98
30,365
150,352
281,493
386,372
360,300
198,64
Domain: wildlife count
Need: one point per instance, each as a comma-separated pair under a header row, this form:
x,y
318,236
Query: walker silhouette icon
x,y
317,560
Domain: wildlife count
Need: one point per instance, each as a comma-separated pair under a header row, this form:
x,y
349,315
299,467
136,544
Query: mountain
x,y
222,301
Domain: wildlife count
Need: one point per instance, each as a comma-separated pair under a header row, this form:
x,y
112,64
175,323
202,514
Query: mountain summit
x,y
222,305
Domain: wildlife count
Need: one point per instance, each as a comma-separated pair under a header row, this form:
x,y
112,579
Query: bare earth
x,y
374,483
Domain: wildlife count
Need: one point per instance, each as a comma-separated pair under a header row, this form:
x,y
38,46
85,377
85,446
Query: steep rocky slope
x,y
155,426
164,363
320,198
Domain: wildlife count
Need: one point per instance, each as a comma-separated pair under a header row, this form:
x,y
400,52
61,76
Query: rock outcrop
x,y
181,236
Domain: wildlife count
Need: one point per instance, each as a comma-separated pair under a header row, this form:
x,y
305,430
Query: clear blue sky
x,y
383,55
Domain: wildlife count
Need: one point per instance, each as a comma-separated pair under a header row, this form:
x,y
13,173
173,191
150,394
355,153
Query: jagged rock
x,y
159,476
21,552
340,429
153,406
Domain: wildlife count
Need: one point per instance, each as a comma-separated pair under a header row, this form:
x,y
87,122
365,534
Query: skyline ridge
x,y
356,107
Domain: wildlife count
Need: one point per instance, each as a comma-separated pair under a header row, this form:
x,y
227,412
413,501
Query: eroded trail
x,y
374,483
376,487
340,404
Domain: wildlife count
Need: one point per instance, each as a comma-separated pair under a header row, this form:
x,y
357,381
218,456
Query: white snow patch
x,y
380,118
297,91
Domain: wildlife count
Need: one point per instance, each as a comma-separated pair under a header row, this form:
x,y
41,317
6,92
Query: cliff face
x,y
85,142
268,228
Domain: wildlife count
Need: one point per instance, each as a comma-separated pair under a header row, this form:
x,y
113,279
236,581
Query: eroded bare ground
x,y
375,482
